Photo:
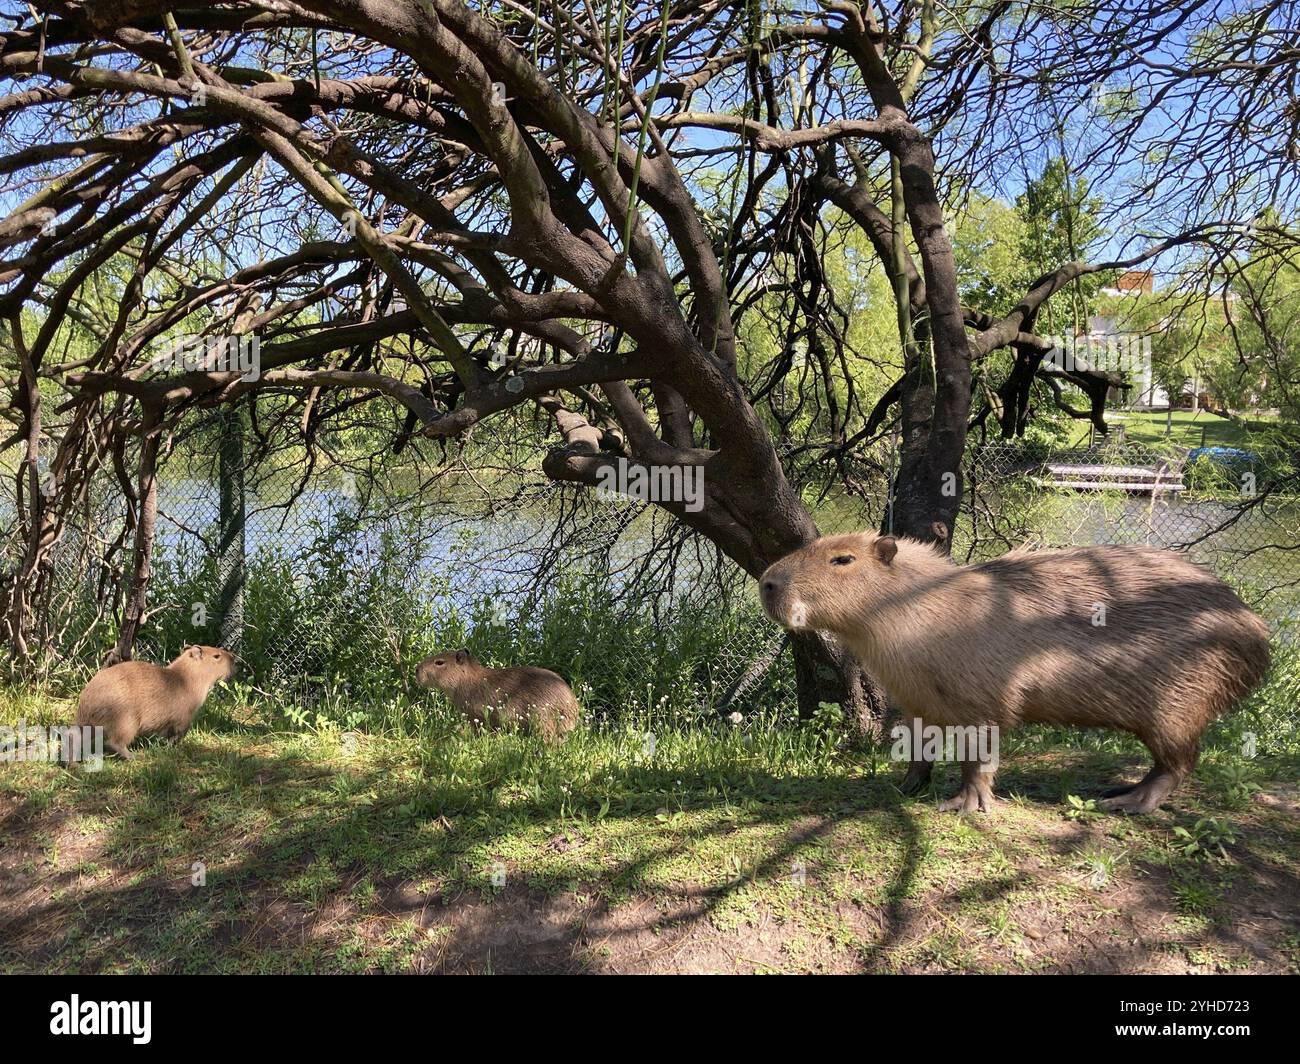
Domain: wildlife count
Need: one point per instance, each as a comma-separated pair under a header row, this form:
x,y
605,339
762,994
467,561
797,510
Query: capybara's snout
x,y
775,591
827,580
771,590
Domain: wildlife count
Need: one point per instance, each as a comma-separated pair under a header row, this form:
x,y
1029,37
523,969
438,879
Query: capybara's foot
x,y
1133,802
917,778
973,797
1144,797
1137,801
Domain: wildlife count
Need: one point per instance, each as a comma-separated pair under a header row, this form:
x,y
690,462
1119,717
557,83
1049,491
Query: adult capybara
x,y
1133,638
135,698
534,701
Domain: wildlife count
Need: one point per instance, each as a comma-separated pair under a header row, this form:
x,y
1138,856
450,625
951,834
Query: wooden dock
x,y
1139,480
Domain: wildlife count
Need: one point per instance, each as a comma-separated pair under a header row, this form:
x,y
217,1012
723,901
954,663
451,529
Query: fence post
x,y
230,525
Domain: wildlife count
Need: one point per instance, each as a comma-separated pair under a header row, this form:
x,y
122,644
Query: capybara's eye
x,y
440,662
842,559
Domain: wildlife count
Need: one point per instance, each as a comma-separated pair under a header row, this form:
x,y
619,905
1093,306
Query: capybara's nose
x,y
771,584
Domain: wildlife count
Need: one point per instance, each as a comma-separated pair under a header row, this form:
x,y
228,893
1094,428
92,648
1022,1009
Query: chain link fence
x,y
349,579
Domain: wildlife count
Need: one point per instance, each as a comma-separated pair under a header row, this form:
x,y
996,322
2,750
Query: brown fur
x,y
1013,640
137,698
534,701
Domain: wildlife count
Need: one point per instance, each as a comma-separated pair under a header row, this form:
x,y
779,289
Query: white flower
x,y
736,718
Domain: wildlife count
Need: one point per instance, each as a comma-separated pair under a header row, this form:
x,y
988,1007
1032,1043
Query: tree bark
x,y
136,607
29,485
231,554
827,672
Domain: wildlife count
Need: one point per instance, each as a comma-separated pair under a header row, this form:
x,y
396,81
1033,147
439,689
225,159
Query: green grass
x,y
252,847
1200,429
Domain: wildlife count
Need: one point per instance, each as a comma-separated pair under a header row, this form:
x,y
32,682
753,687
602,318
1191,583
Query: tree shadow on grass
x,y
326,866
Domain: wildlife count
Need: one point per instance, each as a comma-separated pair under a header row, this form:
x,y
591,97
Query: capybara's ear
x,y
462,656
194,651
886,547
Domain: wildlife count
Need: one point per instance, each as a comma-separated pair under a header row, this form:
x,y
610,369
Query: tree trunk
x,y
937,391
142,561
29,485
756,517
827,672
230,528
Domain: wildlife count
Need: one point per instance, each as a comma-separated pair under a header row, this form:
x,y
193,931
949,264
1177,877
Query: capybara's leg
x,y
1146,796
976,793
919,769
119,739
1173,761
918,776
1129,788
123,750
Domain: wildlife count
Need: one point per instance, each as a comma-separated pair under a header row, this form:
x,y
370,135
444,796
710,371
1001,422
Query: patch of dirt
x,y
1127,925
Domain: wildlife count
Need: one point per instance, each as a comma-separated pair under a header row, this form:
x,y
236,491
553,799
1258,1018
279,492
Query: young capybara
x,y
135,698
534,701
1124,637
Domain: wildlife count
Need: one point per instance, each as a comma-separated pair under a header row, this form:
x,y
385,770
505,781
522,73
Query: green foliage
x,y
1234,780
989,241
1195,898
1269,718
1208,837
1060,225
350,625
1260,360
1081,808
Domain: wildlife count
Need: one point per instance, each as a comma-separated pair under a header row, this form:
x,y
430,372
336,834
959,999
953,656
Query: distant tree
x,y
1060,223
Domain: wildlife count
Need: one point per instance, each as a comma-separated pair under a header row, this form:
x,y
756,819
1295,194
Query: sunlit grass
x,y
307,836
